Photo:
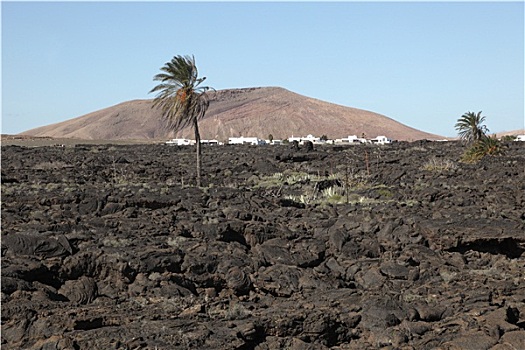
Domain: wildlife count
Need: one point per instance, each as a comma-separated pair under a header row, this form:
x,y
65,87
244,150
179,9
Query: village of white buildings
x,y
379,140
350,140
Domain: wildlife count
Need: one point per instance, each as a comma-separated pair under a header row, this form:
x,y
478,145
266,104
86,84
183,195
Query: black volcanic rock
x,y
357,247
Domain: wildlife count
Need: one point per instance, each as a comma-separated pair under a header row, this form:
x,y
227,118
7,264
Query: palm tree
x,y
181,98
486,146
470,127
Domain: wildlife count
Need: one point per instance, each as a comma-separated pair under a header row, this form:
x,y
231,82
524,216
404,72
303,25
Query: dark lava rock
x,y
342,247
82,291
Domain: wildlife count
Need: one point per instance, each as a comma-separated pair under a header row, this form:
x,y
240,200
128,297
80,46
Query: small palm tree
x,y
181,98
470,127
486,146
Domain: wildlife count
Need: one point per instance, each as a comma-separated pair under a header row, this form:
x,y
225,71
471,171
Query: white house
x,y
520,138
353,139
245,141
303,139
311,138
381,140
180,142
211,142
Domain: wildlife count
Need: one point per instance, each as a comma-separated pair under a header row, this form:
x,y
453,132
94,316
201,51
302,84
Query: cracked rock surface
x,y
339,247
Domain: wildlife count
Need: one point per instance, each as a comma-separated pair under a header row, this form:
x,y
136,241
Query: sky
x,y
423,64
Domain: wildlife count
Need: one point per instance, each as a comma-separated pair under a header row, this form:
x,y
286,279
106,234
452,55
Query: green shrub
x,y
508,138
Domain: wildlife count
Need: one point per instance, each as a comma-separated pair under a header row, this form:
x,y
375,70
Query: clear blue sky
x,y
422,64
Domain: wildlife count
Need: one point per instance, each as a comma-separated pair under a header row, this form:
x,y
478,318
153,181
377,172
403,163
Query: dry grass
x,y
439,165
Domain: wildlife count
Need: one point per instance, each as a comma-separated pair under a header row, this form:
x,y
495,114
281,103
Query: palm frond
x,y
486,146
470,127
179,95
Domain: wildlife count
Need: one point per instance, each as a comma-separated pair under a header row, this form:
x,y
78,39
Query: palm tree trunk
x,y
198,144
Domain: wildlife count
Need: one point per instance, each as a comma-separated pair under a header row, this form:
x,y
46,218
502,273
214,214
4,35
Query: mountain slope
x,y
236,112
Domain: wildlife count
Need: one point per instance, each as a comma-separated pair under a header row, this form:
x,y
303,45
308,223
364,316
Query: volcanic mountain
x,y
236,112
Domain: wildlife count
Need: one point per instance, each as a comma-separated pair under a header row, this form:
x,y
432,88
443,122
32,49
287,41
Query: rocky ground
x,y
395,247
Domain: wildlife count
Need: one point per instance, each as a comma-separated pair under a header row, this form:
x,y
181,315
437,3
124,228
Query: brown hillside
x,y
511,133
236,112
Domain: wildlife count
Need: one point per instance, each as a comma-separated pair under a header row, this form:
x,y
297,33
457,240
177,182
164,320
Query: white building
x,y
180,142
353,139
211,142
303,139
381,140
520,138
245,141
187,142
